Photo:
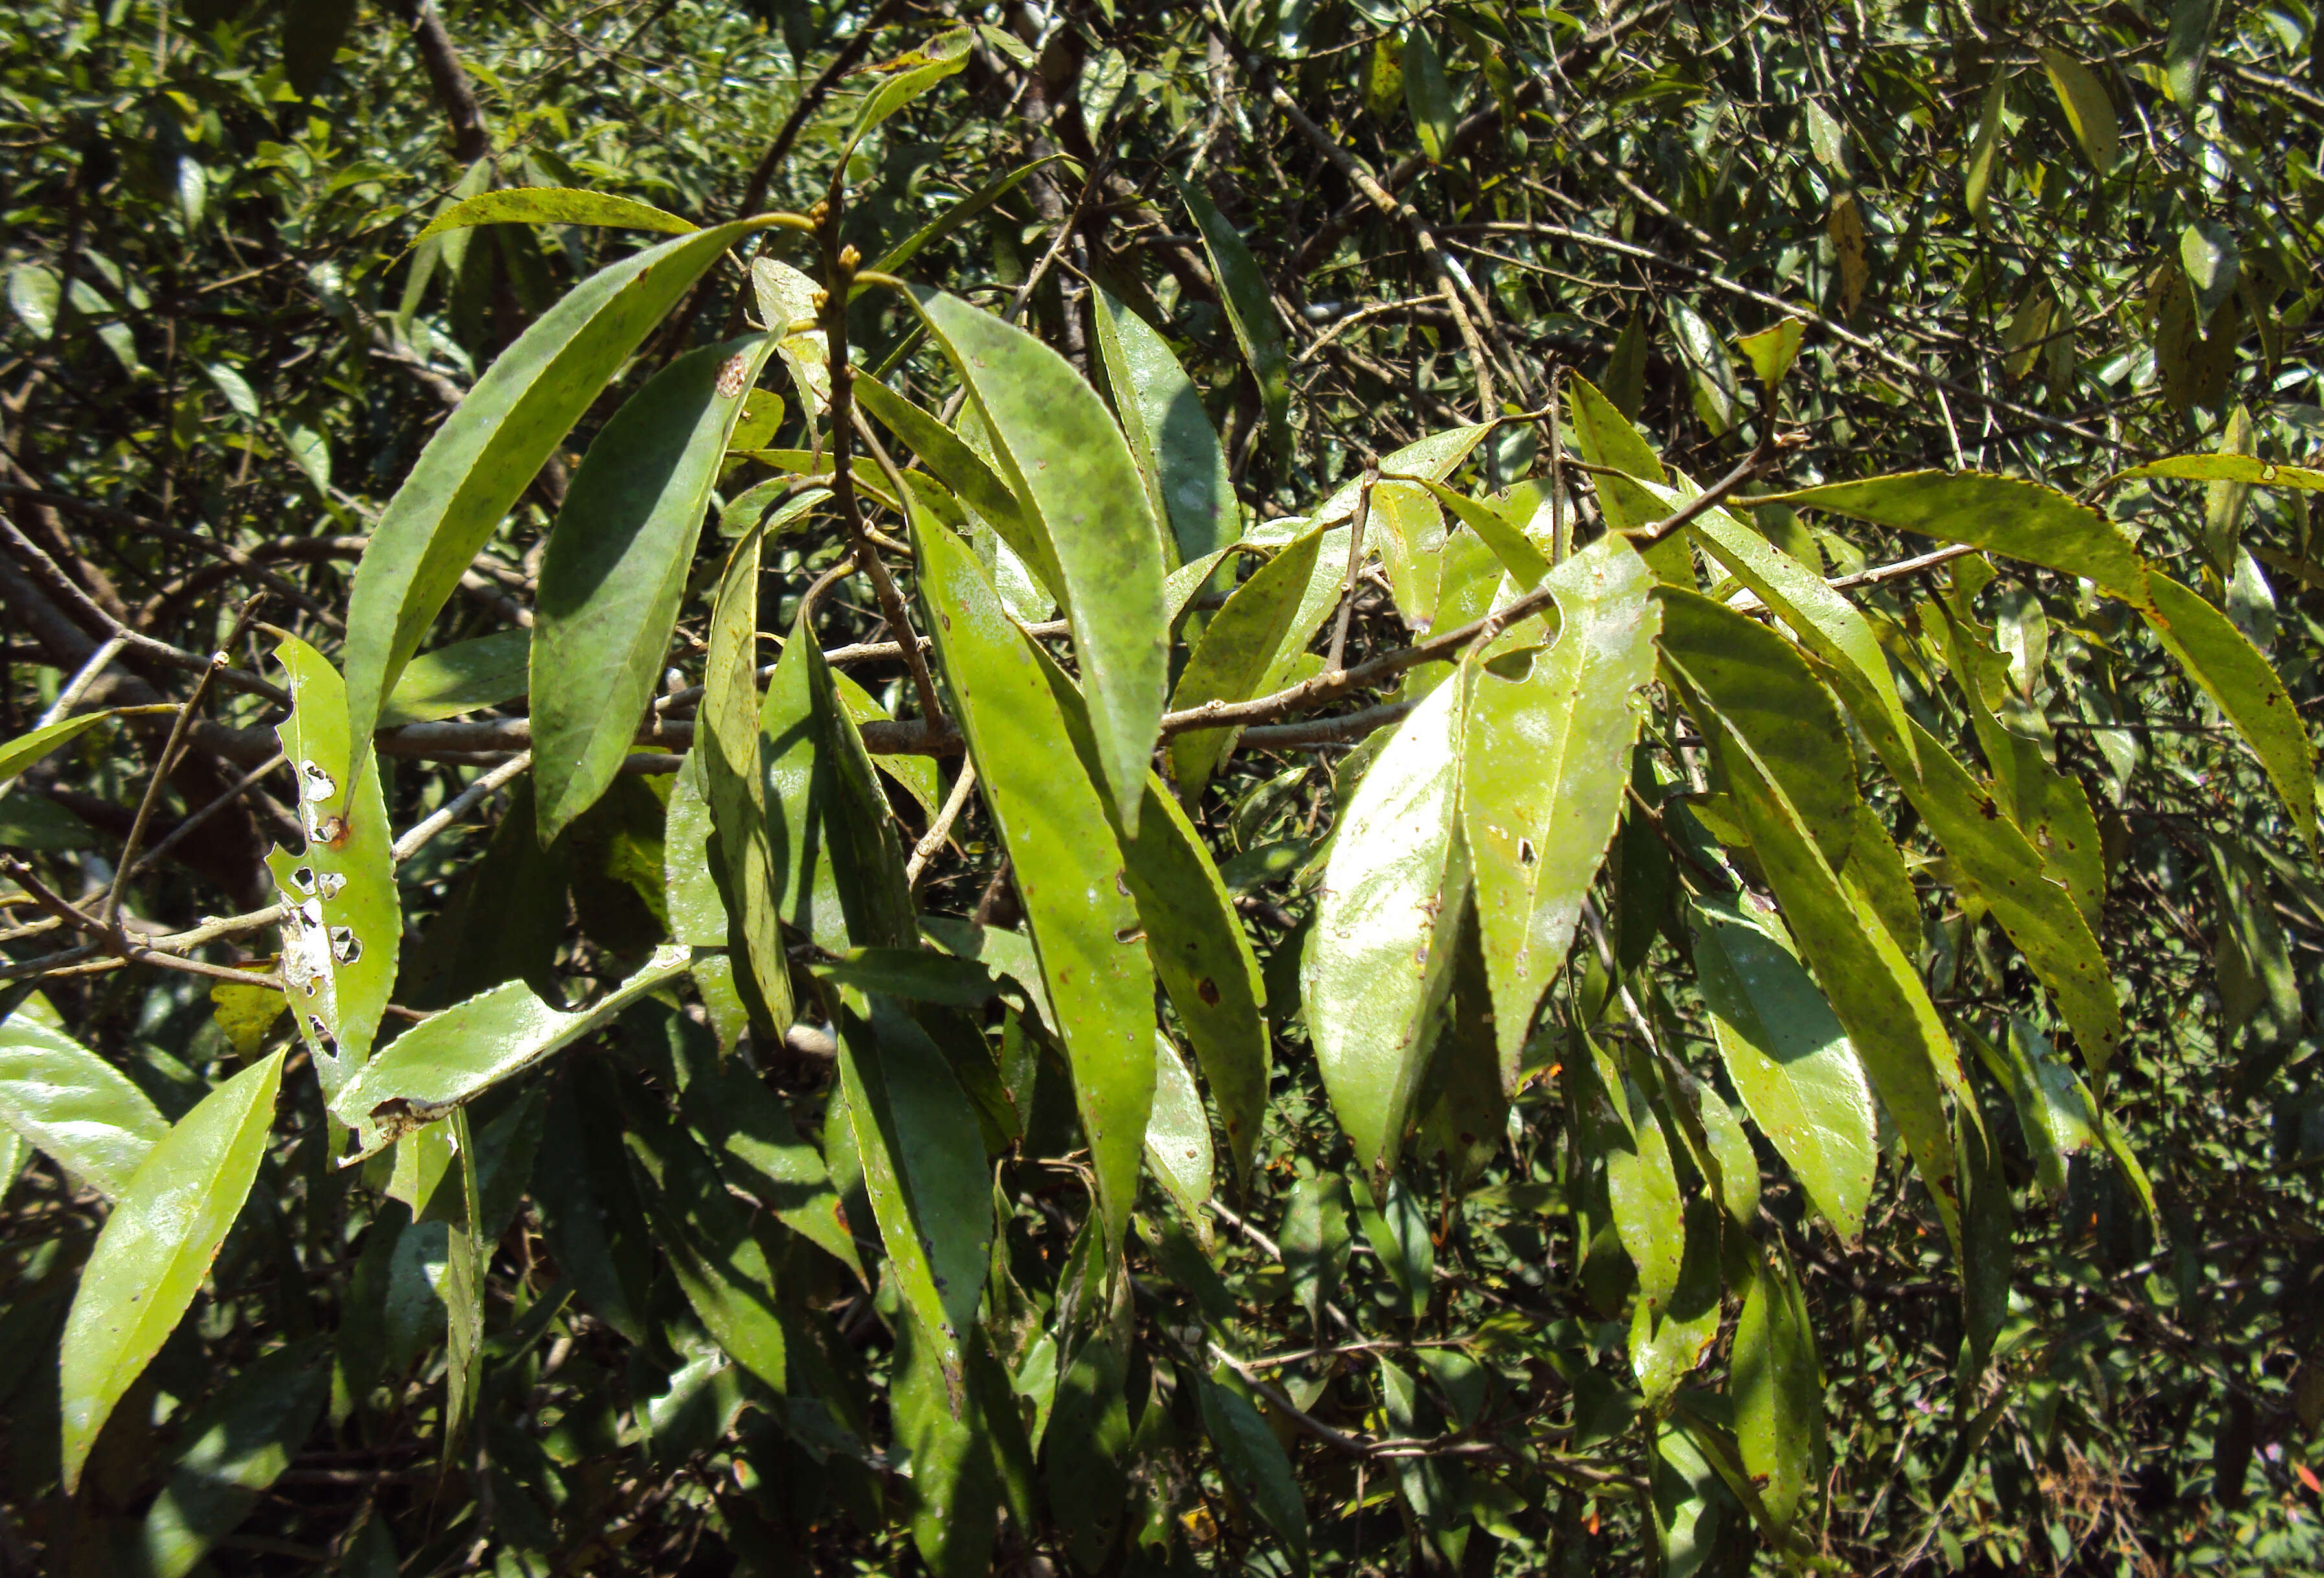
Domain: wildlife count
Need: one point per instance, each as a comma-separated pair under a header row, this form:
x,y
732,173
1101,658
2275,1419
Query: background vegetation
x,y
2052,242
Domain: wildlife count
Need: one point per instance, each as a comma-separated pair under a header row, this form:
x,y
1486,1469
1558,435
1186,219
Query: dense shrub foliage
x,y
1331,787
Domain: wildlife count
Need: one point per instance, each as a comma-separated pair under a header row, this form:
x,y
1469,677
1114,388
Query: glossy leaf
x,y
457,1056
705,1234
727,738
1170,435
1424,460
1777,1387
2020,519
1518,553
464,676
1985,150
1251,311
236,1447
915,775
616,567
1641,1183
1069,870
1233,657
1606,437
1379,961
787,298
2242,684
1314,1242
1789,1059
488,451
1545,753
1068,463
74,1106
1178,1132
341,942
536,205
156,1248
1407,528
953,1494
1669,1340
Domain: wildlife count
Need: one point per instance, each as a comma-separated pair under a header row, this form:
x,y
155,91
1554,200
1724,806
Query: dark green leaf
x,y
1250,309
464,676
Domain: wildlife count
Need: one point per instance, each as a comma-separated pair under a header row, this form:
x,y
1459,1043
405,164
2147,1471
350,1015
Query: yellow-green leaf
x,y
2244,685
538,205
74,1106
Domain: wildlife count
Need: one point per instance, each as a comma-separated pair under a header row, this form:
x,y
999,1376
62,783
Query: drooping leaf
x,y
2089,111
2246,469
1379,961
1428,95
727,739
488,451
345,929
706,1233
1777,1387
952,463
1069,870
74,1106
1668,1340
1235,653
1545,755
236,1447
953,1493
1641,1181
1170,435
1251,311
1257,1467
1314,1242
2244,685
156,1248
541,204
1178,1133
455,1056
1789,1059
1985,150
616,567
463,677
1068,463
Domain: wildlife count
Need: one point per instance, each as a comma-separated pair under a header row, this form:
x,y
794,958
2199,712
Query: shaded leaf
x,y
1251,311
236,1447
1235,654
1777,1386
2230,670
463,677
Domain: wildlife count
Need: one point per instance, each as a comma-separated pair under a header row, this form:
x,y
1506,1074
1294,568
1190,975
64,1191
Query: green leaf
x,y
1777,1387
788,299
1430,459
1315,1240
1985,150
156,1248
2237,468
73,1105
26,748
1641,1183
915,775
488,451
1251,311
1606,437
454,1056
617,565
236,1447
727,738
35,295
1179,1131
1069,464
1396,1232
2242,684
1789,1059
341,943
2022,520
1827,624
1170,435
33,821
962,212
544,205
705,1234
1232,660
2089,111
923,1157
1772,350
1985,1258
1872,987
1516,552
1428,95
911,74
2184,48
1407,528
1667,1341
1545,753
958,468
1069,870
912,973
1380,960
952,1496
1758,682
1256,1466
312,33
464,676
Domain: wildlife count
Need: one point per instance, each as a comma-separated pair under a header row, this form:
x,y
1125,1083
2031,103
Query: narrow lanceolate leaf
x,y
74,1106
910,76
923,1167
1178,1133
893,260
1064,458
1871,985
25,748
959,467
1641,1181
1516,552
1430,459
1789,1059
1777,1388
1606,437
236,1447
156,1248
1380,958
1544,754
726,737
1987,147
1170,433
1758,682
534,205
1256,1466
1828,623
482,671
616,567
1428,95
2089,111
1193,936
2243,685
1069,870
454,1056
706,1233
1235,653
340,944
488,451
2020,519
1995,860
2240,469
1250,309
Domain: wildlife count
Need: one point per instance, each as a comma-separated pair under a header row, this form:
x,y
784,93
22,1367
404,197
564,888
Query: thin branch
x,y
941,828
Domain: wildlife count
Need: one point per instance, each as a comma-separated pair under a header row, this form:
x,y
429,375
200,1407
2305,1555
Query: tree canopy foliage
x,y
1330,786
